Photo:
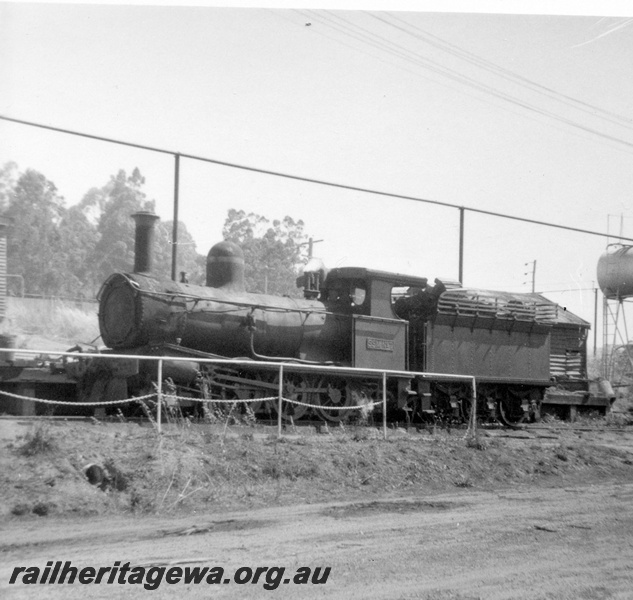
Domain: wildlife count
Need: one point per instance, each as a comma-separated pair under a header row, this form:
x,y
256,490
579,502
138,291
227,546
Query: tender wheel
x,y
511,412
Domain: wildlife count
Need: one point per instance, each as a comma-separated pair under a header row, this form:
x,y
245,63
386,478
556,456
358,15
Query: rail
x,y
281,366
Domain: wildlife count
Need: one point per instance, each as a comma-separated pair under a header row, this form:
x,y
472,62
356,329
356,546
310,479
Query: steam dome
x,y
225,266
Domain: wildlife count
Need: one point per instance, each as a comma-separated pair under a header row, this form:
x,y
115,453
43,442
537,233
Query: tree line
x,y
69,251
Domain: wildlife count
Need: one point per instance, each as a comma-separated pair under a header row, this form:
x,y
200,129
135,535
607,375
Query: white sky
x,y
366,98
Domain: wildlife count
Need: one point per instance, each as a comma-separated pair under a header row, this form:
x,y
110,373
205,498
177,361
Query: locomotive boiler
x,y
352,317
140,311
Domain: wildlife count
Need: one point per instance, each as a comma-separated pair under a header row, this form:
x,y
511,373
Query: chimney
x,y
144,241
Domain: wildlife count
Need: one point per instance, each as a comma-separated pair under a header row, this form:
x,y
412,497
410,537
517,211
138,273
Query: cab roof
x,y
398,279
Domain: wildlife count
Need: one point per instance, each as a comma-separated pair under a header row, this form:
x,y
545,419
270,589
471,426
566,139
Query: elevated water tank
x,y
615,272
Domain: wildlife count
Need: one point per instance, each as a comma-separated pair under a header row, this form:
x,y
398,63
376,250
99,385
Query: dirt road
x,y
522,543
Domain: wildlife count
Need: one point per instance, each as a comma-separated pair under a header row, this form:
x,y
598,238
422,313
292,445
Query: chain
x,y
187,398
273,398
104,403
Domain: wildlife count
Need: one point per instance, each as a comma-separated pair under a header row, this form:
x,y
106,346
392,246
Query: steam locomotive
x,y
522,348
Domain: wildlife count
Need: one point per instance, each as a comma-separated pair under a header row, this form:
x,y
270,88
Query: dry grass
x,y
192,467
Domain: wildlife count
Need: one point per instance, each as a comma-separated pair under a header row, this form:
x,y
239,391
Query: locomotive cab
x,y
381,317
375,307
368,292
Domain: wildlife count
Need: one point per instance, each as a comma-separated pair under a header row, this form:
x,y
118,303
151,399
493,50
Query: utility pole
x,y
595,321
461,245
533,263
310,244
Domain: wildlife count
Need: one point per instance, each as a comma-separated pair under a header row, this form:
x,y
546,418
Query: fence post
x,y
473,410
280,408
461,244
384,404
159,396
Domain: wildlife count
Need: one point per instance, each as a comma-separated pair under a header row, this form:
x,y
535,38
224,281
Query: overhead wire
x,y
507,74
321,33
366,36
605,33
316,181
359,49
592,289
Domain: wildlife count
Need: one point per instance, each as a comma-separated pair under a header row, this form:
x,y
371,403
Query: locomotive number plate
x,y
378,344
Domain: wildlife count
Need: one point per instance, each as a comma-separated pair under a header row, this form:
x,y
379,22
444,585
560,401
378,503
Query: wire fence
x,y
280,367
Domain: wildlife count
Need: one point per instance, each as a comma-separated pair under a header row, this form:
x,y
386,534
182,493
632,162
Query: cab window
x,y
348,293
358,295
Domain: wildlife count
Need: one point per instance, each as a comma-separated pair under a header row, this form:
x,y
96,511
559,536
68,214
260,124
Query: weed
x,y
38,441
464,482
20,509
361,434
116,478
589,417
149,412
551,417
475,442
249,416
226,423
618,419
561,454
41,509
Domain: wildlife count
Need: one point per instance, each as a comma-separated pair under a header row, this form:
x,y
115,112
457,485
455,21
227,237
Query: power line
x,y
520,288
308,179
366,36
507,74
464,79
591,289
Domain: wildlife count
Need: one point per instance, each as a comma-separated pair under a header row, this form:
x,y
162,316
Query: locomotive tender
x,y
351,317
